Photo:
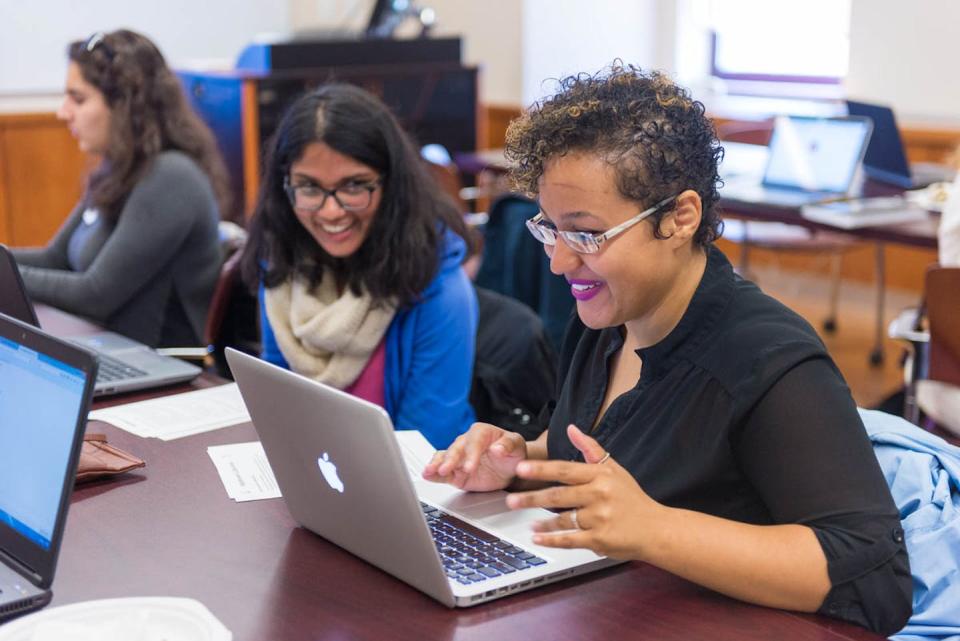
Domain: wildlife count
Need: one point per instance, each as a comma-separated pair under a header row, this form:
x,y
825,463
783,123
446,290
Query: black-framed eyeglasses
x,y
98,39
351,196
584,242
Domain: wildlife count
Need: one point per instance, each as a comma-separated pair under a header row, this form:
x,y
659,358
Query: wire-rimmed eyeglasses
x,y
584,242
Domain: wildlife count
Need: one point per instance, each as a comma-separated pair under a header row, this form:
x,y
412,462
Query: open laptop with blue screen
x,y
343,476
126,365
45,391
810,159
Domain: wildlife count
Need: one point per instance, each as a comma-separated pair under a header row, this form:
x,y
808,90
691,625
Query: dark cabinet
x,y
435,101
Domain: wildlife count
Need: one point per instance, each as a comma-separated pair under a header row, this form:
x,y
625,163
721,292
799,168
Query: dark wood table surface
x,y
170,530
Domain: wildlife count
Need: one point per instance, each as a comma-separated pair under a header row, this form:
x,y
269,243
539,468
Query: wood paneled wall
x,y
494,120
41,177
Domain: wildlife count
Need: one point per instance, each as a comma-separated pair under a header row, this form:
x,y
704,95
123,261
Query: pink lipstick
x,y
584,290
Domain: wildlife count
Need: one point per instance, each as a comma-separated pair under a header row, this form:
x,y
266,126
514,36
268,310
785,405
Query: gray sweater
x,y
152,274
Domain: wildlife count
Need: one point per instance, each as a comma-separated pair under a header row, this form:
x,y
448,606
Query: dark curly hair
x,y
148,114
656,137
401,253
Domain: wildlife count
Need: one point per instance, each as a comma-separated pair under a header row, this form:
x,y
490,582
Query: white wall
x,y
491,32
563,37
34,33
904,54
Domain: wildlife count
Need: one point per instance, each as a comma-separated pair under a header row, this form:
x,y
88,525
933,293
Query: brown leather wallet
x,y
98,459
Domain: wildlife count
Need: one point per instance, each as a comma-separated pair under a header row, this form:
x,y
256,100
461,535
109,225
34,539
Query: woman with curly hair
x,y
139,254
701,425
358,254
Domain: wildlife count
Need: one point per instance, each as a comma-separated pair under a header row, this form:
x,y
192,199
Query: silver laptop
x,y
343,476
810,159
45,390
126,365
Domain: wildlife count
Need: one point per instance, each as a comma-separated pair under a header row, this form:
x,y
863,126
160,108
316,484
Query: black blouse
x,y
740,413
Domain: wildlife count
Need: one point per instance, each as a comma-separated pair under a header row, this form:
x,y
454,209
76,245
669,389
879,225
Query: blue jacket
x,y
429,353
923,472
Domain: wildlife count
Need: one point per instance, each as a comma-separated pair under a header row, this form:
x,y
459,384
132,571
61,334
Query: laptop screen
x,y
885,157
40,398
13,296
816,154
45,389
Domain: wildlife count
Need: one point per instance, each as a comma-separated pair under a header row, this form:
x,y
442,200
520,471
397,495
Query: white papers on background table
x,y
244,471
179,415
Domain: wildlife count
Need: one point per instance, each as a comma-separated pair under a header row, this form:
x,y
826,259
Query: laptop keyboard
x,y
469,554
111,369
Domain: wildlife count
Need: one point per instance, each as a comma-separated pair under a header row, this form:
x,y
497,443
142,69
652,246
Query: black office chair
x,y
514,264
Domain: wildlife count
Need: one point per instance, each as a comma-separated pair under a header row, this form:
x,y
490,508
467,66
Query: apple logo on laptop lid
x,y
329,471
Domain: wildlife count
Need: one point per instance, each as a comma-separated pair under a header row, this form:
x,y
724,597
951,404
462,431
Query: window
x,y
779,41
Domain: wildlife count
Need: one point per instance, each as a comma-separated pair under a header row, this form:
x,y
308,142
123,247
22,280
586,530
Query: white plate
x,y
130,619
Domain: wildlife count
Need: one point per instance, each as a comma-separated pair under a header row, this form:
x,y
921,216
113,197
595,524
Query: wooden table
x,y
170,530
920,233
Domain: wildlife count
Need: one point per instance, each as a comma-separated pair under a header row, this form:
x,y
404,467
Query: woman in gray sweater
x,y
139,254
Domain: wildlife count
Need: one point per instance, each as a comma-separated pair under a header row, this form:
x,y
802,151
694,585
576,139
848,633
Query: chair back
x,y
942,292
232,318
220,301
514,264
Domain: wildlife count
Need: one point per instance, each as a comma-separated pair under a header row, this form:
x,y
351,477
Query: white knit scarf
x,y
326,335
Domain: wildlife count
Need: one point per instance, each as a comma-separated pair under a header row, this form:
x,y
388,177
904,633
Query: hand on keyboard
x,y
483,459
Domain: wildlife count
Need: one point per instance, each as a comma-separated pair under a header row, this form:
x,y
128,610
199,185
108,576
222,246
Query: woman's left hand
x,y
608,511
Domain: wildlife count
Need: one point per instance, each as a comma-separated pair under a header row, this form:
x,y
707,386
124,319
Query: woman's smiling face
x,y
632,275
338,231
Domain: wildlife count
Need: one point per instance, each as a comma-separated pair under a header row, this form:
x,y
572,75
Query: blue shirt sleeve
x,y
440,332
269,349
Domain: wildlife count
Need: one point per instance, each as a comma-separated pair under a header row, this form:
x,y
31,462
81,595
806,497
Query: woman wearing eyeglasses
x,y
140,253
358,256
700,425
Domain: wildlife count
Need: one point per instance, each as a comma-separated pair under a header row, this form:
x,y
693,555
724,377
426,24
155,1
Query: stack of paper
x,y
244,471
179,415
866,212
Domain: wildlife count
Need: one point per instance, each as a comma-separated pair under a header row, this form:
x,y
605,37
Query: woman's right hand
x,y
483,459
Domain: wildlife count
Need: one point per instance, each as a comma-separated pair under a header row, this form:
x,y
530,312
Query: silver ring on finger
x,y
573,519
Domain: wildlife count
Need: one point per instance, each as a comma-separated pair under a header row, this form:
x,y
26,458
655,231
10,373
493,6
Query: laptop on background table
x,y
810,159
885,159
343,476
45,389
126,365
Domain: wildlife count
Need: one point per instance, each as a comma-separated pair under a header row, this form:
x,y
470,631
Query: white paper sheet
x,y
244,471
246,475
179,415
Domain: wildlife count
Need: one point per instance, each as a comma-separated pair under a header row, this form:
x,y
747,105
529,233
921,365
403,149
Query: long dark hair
x,y
400,254
148,114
